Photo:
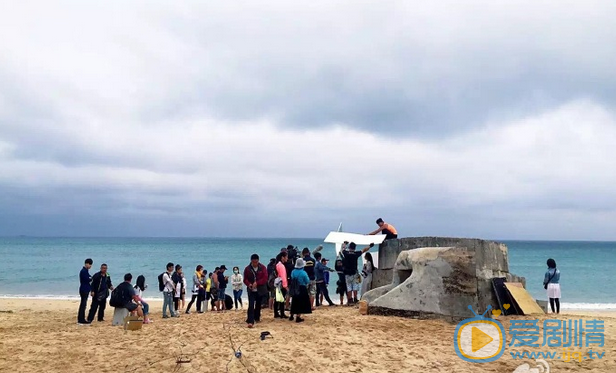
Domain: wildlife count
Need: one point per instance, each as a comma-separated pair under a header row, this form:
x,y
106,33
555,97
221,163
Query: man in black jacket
x,y
101,285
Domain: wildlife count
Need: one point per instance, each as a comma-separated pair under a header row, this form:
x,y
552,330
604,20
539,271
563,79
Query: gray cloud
x,y
485,119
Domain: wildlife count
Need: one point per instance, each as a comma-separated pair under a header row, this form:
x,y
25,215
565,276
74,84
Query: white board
x,y
360,240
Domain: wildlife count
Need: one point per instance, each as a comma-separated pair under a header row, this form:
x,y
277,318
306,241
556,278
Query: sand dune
x,y
42,336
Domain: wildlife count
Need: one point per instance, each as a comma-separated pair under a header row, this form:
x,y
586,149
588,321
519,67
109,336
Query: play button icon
x,y
479,339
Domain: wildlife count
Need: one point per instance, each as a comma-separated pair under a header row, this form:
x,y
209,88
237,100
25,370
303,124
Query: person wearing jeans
x,y
168,292
319,273
84,291
237,281
255,279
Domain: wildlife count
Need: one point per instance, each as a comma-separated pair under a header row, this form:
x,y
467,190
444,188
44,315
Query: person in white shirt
x,y
168,291
139,289
237,282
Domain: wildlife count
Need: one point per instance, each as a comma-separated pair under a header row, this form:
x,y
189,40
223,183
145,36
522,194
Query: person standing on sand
x,y
255,279
319,273
367,274
300,304
325,277
222,287
183,293
350,258
309,264
214,292
271,290
197,287
101,285
237,282
387,229
84,291
551,282
289,266
283,284
178,286
168,291
208,291
341,283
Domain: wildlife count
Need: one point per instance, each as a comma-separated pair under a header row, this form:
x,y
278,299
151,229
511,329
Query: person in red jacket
x,y
255,278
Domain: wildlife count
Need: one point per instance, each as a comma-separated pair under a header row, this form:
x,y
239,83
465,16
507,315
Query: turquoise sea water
x,y
49,267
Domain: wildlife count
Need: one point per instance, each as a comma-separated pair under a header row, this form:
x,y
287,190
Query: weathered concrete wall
x,y
390,249
437,281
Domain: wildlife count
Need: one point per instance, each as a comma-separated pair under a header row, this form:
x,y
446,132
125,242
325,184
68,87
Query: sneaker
x,y
187,312
165,317
84,323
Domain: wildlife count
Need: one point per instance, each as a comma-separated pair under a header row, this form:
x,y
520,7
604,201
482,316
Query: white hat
x,y
300,263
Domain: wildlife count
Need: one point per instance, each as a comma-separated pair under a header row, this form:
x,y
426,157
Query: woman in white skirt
x,y
551,283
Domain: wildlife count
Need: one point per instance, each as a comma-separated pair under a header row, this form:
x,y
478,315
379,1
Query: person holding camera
x,y
350,259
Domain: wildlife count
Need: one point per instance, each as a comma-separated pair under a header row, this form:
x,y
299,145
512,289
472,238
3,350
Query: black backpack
x,y
161,284
118,296
272,277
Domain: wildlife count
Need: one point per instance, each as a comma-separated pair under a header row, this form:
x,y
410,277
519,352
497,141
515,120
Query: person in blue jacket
x,y
551,282
300,301
84,291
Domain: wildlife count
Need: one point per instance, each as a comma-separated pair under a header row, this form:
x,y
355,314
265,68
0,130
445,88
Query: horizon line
x,y
298,238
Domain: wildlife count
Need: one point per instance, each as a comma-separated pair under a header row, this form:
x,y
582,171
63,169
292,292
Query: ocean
x,y
49,267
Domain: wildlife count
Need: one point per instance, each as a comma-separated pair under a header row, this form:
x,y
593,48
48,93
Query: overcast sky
x,y
489,119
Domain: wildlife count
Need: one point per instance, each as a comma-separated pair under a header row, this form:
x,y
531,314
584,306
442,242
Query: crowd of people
x,y
294,282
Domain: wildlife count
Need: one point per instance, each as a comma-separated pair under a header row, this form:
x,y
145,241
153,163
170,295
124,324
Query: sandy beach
x,y
42,335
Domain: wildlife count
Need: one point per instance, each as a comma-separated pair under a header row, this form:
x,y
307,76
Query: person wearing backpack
x,y
168,289
255,279
124,295
280,276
